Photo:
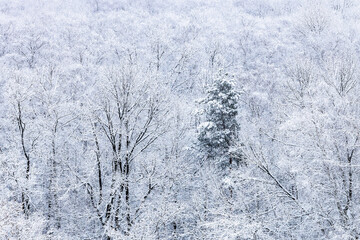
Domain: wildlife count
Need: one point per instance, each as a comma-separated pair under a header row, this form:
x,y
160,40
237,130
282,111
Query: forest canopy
x,y
185,119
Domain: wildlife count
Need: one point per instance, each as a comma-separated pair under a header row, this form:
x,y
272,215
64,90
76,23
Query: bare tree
x,y
127,122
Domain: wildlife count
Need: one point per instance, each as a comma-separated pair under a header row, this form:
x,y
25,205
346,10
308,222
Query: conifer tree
x,y
218,133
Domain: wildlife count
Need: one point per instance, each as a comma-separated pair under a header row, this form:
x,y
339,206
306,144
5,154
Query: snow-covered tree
x,y
218,133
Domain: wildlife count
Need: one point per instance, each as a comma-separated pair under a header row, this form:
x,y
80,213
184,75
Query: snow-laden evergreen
x,y
218,133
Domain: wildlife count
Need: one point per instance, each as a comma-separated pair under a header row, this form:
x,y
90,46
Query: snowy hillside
x,y
184,119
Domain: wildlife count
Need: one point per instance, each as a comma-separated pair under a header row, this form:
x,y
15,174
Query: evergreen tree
x,y
218,133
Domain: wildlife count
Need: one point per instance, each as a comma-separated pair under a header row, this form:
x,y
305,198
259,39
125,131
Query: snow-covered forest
x,y
180,119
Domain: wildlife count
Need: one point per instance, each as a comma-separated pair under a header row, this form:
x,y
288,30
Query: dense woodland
x,y
184,119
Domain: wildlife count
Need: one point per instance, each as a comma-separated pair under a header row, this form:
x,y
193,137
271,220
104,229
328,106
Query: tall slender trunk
x,y
98,164
25,192
127,172
53,205
127,199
